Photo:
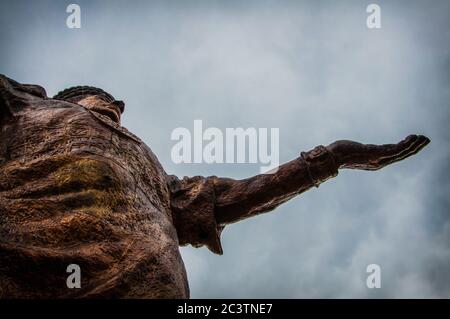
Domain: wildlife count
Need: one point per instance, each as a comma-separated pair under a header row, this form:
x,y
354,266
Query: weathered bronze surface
x,y
77,188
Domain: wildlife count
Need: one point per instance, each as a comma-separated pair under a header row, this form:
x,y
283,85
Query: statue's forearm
x,y
240,199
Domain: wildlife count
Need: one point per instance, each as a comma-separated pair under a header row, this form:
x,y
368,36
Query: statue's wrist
x,y
338,159
321,164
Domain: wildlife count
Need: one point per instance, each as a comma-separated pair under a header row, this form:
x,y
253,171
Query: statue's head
x,y
94,99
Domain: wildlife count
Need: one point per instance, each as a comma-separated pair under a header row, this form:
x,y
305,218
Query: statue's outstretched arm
x,y
239,199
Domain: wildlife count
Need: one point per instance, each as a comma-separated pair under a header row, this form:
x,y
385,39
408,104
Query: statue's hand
x,y
354,155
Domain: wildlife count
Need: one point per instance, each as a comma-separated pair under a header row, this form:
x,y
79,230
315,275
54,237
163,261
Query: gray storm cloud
x,y
312,69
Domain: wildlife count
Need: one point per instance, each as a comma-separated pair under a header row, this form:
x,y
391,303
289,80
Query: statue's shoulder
x,y
17,99
8,85
14,96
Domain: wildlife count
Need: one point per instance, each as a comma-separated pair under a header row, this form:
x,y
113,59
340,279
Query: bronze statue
x,y
77,188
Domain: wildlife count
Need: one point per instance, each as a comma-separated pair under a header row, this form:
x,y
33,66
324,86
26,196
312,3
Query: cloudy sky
x,y
310,68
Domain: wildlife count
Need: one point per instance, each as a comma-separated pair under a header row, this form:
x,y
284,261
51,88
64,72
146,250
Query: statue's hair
x,y
75,93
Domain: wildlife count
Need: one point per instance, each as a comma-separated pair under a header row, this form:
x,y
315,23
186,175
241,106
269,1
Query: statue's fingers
x,y
386,151
379,156
417,144
406,144
389,151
